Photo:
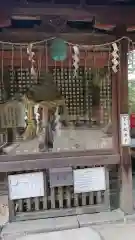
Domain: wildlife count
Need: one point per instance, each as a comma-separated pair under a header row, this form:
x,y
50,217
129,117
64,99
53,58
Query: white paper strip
x,y
125,130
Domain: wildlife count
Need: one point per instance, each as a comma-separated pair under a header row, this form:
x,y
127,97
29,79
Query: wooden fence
x,y
62,201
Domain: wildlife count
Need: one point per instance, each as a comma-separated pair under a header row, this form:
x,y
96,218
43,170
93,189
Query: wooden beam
x,y
28,35
18,58
131,36
76,38
50,30
42,9
103,14
40,161
113,14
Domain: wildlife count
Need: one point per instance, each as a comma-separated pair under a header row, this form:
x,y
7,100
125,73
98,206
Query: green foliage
x,y
131,93
98,75
131,83
46,90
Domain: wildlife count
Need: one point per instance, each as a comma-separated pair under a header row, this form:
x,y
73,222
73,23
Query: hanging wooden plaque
x,y
61,177
125,130
26,185
89,180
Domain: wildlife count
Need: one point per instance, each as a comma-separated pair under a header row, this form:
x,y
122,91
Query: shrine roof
x,y
52,17
77,2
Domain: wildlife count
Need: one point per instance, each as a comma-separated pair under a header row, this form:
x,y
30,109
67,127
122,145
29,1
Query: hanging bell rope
x,y
37,118
39,64
3,92
30,131
87,108
2,73
46,56
57,122
109,87
21,64
12,72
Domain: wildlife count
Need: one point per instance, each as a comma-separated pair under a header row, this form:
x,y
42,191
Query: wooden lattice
x,y
73,90
78,93
105,99
20,81
88,95
9,115
64,199
1,92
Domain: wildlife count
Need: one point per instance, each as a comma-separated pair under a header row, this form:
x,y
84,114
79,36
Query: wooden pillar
x,y
126,199
115,120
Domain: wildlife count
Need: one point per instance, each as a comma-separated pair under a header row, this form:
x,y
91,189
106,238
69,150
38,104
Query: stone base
x,y
19,229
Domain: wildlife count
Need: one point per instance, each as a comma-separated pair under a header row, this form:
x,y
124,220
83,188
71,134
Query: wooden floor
x,y
69,140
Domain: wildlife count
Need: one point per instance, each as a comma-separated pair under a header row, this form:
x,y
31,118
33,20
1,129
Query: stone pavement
x,y
102,232
79,234
100,226
12,230
115,231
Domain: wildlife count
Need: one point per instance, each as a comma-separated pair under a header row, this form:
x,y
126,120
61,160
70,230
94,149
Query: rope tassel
x,y
76,60
115,59
31,55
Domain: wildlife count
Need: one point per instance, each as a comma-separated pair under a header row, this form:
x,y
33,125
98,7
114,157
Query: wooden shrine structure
x,y
88,26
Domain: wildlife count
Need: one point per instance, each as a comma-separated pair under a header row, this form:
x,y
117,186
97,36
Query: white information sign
x,y
125,130
26,185
89,179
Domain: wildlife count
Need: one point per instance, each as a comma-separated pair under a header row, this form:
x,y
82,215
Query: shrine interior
x,y
56,92
62,78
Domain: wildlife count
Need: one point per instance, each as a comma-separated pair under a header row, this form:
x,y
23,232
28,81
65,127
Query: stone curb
x,y
45,226
59,224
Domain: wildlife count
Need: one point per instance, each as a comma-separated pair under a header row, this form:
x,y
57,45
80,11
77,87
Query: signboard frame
x,y
26,185
89,180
